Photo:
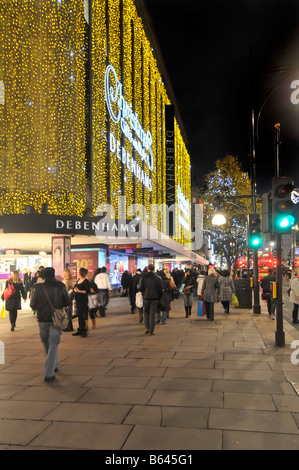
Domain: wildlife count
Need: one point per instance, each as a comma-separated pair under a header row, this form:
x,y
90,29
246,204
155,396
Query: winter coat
x,y
210,288
266,283
58,296
226,288
166,295
14,302
190,282
294,286
151,286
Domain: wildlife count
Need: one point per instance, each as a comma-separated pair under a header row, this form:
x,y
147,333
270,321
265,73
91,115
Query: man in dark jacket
x,y
151,289
266,286
50,335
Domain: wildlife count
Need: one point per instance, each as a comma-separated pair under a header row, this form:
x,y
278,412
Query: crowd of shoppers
x,y
150,293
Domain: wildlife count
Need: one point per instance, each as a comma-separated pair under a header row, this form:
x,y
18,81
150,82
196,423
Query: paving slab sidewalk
x,y
194,385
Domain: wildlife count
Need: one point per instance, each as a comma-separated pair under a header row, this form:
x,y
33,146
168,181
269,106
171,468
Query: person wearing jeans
x,y
49,335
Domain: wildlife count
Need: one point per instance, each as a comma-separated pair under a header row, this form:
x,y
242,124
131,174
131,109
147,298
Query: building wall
x,y
43,118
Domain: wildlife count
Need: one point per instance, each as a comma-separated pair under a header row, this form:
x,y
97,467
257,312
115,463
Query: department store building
x,y
94,167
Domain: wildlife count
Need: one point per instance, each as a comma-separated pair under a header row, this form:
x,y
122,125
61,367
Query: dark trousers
x,y
210,310
295,312
225,304
82,312
149,310
13,316
103,301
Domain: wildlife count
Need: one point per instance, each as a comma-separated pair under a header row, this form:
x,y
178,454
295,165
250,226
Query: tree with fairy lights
x,y
221,187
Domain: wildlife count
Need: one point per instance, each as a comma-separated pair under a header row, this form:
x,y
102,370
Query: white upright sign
x,y
121,112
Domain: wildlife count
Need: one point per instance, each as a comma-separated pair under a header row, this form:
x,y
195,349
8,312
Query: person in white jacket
x,y
102,280
294,295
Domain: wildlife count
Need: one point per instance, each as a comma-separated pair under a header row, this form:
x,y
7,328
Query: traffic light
x,y
266,213
283,208
254,231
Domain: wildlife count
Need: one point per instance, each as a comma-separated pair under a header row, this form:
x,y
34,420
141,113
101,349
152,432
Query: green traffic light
x,y
255,241
284,222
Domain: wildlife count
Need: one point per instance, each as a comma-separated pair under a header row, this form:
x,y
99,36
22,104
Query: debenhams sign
x,y
68,225
96,226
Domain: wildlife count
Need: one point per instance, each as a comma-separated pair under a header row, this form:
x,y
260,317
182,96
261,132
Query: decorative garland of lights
x,y
43,121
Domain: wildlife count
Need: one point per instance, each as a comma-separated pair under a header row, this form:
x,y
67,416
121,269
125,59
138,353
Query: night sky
x,y
206,48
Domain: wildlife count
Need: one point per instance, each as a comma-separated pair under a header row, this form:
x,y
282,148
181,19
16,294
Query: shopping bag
x,y
139,300
234,302
201,309
3,314
93,301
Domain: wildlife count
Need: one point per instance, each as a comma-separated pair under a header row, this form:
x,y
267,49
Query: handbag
x,y
59,316
9,291
201,309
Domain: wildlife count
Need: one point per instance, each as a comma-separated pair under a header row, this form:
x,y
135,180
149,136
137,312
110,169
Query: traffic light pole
x,y
256,290
279,333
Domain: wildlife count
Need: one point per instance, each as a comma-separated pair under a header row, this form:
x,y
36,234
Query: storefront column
x,y
61,254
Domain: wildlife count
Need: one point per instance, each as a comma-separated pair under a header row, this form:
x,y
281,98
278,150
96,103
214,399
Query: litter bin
x,y
243,292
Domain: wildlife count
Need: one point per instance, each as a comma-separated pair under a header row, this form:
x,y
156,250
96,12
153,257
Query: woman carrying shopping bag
x,y
210,292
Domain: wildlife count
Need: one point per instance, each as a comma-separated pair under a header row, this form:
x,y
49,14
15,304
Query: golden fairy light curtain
x,y
42,121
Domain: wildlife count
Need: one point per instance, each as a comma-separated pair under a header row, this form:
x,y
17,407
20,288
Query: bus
x,y
266,260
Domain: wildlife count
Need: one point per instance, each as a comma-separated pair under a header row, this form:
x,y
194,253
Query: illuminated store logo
x,y
121,112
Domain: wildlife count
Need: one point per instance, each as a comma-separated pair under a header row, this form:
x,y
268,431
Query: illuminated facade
x,y
82,113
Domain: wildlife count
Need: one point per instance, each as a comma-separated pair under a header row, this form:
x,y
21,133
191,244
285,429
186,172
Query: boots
x,y
189,311
186,310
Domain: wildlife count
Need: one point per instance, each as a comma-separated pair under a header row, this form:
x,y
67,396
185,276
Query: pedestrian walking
x,y
173,287
138,294
68,281
164,303
27,280
151,288
82,290
93,290
102,280
210,292
125,278
50,336
189,282
294,295
226,290
13,303
266,286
